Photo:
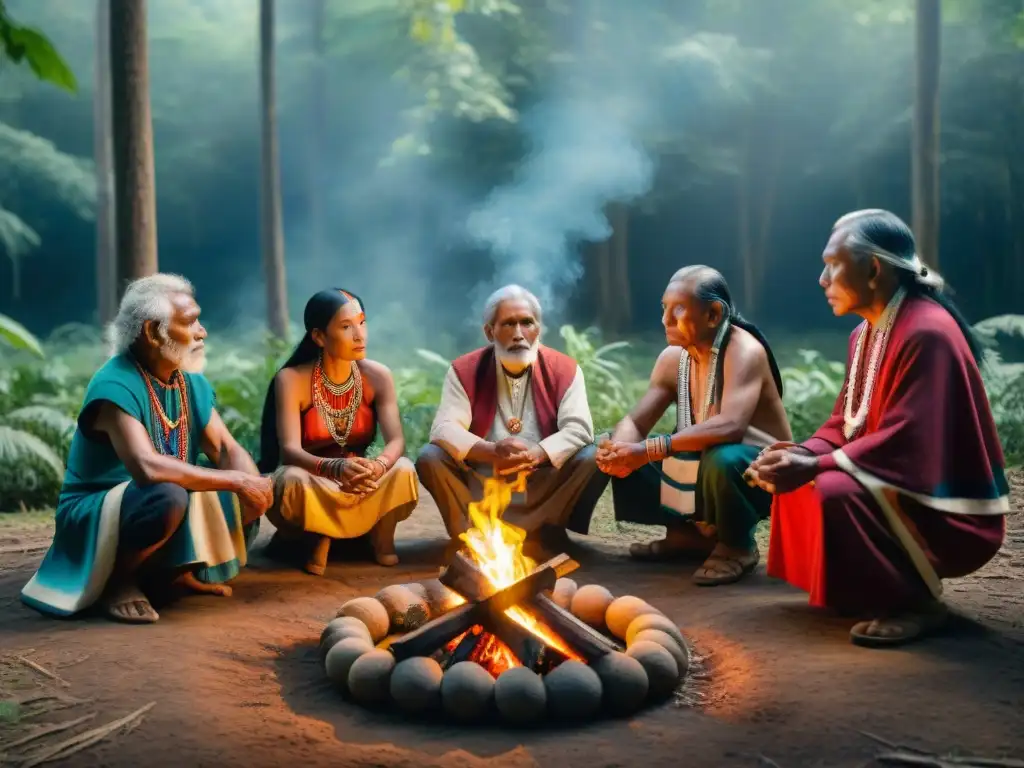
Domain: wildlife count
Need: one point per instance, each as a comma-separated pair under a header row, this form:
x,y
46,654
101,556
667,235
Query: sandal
x,y
898,630
719,570
128,605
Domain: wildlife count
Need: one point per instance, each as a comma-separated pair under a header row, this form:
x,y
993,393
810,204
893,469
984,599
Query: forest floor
x,y
238,681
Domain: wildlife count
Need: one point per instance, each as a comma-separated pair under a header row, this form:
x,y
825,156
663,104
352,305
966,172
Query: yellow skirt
x,y
314,504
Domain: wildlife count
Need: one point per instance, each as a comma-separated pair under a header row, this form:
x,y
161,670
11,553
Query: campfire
x,y
496,628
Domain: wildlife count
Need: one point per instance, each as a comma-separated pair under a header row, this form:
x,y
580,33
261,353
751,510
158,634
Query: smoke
x,y
586,149
583,156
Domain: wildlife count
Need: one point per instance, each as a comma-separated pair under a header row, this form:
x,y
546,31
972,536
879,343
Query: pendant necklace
x,y
517,392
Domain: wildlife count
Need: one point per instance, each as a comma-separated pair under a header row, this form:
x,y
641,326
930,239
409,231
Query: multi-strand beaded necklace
x,y
661,446
854,422
161,426
684,412
337,403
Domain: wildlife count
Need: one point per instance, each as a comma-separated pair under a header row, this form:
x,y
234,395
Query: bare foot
x,y
384,546
189,581
318,554
128,604
680,541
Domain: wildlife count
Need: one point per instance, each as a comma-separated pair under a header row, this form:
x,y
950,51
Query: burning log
x,y
466,646
426,639
586,640
434,634
466,578
524,645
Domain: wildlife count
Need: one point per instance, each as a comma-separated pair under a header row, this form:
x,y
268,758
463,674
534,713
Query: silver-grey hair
x,y
510,293
146,299
884,235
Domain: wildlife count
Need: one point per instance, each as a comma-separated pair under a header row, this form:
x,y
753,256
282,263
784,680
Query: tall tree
x,y
925,143
270,183
317,130
106,259
134,179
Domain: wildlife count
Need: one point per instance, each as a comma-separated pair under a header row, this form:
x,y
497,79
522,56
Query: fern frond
x,y
18,446
1008,325
42,417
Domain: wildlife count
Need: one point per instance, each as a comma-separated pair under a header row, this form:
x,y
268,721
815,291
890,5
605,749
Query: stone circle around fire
x,y
475,674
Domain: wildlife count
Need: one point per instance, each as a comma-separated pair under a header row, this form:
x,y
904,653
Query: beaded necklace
x,y
330,398
160,425
684,411
854,422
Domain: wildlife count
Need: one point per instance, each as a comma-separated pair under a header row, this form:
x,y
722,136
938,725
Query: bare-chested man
x,y
723,377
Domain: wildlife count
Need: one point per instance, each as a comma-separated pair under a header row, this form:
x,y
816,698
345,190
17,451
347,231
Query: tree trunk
x,y
106,257
925,145
270,215
618,255
745,244
316,144
600,255
134,182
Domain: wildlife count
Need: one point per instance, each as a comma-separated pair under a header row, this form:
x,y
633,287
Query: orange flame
x,y
497,549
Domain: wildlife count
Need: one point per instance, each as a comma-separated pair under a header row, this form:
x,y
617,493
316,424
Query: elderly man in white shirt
x,y
515,405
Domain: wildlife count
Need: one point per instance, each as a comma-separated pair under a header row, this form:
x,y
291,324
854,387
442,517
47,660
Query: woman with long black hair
x,y
320,415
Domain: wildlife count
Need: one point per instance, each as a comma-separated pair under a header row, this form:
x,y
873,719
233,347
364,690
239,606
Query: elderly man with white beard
x,y
511,406
135,510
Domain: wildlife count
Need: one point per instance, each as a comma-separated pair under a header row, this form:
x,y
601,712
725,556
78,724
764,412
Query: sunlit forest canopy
x,y
427,154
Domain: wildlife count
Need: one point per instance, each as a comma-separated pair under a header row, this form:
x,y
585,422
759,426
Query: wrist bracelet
x,y
319,468
648,443
383,463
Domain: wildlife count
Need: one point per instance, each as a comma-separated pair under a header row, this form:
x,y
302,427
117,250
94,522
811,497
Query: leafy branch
x,y
26,45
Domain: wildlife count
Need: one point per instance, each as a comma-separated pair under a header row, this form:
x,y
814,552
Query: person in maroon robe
x,y
515,405
904,485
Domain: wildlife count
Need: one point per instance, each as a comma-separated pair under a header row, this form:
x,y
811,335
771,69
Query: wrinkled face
x,y
688,321
183,345
515,335
845,279
345,337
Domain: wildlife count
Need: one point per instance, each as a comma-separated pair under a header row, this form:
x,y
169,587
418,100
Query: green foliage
x,y
36,425
16,335
39,402
811,389
34,167
1005,383
23,44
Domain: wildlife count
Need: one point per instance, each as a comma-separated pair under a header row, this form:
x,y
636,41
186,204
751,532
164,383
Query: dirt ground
x,y
238,682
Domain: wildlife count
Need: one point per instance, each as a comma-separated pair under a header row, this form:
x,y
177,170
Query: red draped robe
x,y
917,496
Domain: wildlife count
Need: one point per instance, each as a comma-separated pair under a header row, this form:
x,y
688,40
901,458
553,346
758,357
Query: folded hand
x,y
781,470
255,492
619,459
521,460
